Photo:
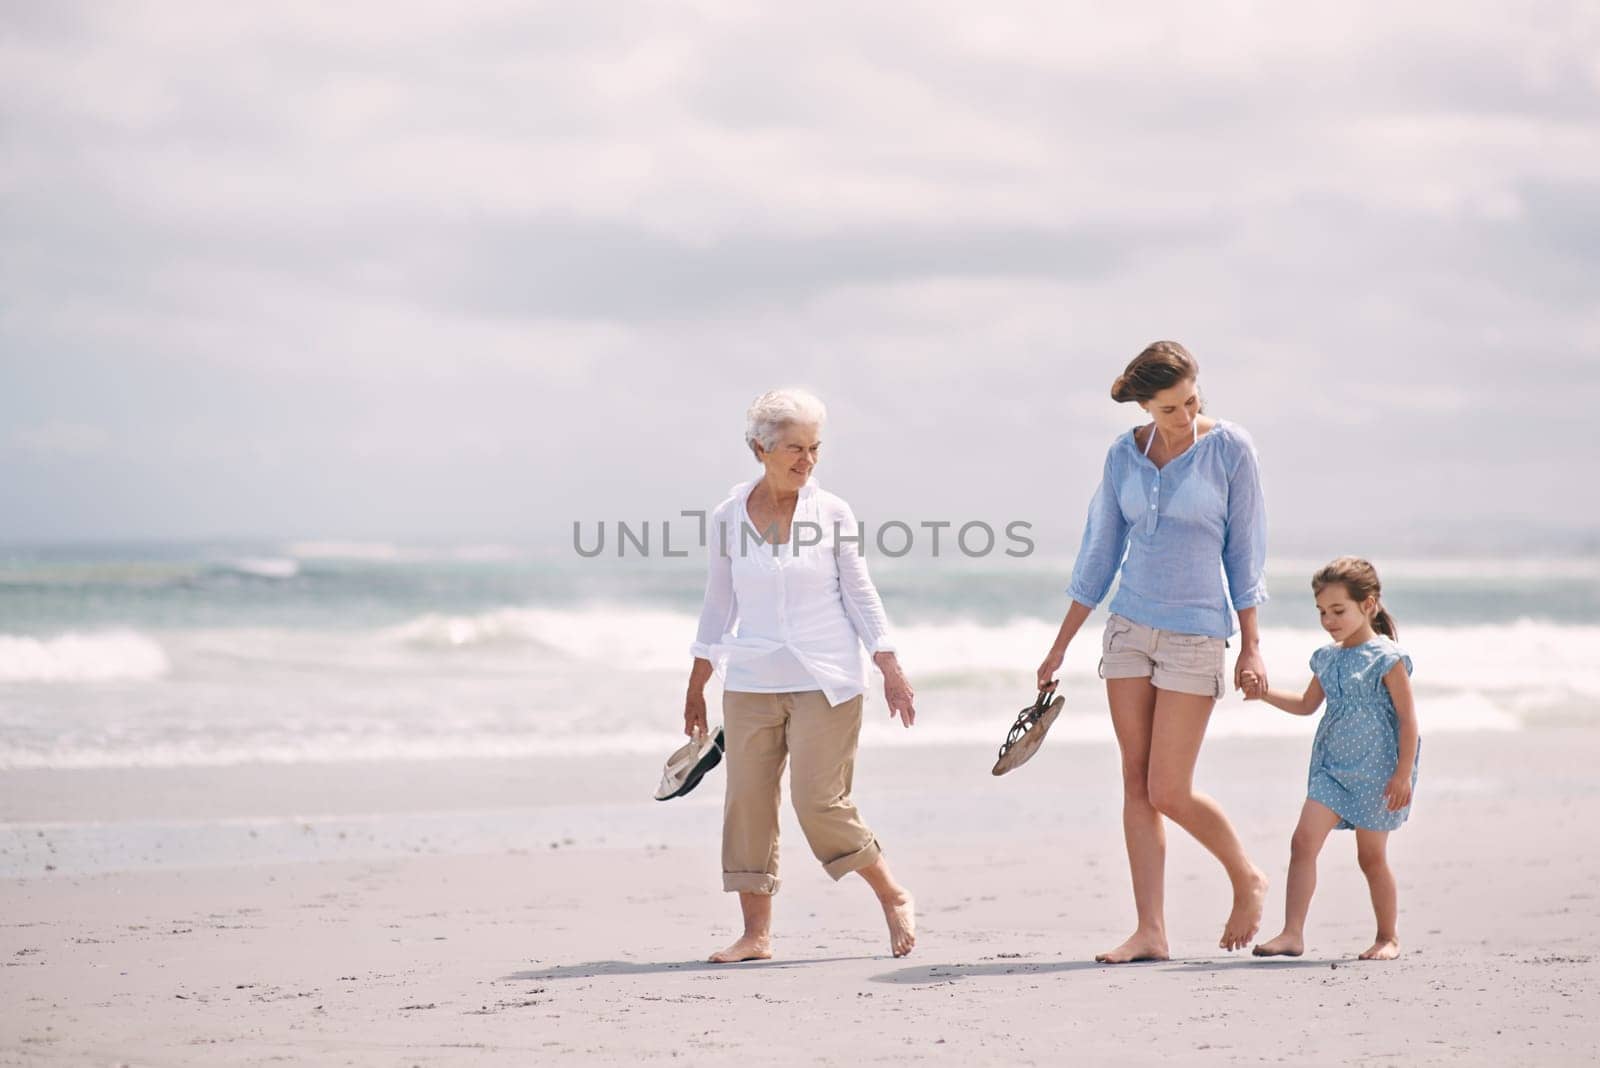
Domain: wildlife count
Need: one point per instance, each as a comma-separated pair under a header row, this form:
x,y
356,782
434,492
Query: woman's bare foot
x,y
750,947
1383,949
1245,919
1141,945
1285,945
901,912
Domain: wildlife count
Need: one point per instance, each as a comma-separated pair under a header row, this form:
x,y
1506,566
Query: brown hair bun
x,y
1160,366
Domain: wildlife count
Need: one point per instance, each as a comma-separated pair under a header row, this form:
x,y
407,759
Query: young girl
x,y
1364,758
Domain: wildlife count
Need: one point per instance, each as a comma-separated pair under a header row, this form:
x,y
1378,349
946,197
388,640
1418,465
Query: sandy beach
x,y
538,911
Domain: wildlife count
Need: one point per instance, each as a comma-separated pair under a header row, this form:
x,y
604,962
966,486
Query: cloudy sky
x,y
471,271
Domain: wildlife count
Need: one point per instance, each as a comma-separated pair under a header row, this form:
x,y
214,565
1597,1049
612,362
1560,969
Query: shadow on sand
x,y
917,975
598,968
1229,964
943,973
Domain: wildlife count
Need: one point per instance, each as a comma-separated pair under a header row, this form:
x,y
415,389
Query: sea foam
x,y
76,657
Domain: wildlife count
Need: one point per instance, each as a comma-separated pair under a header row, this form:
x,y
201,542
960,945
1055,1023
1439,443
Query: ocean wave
x,y
1514,660
636,638
436,631
75,657
345,550
267,567
529,681
389,552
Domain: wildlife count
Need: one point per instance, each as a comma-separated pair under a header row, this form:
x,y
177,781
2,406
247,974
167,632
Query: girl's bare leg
x,y
1133,703
1317,821
756,942
1372,852
1179,728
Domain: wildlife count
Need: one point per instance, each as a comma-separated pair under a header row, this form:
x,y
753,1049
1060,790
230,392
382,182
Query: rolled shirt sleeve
x,y
1105,540
861,601
1244,542
720,607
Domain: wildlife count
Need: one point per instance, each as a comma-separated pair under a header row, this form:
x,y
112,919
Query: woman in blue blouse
x,y
1179,510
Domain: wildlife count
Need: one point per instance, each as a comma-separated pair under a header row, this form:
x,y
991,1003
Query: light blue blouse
x,y
1177,533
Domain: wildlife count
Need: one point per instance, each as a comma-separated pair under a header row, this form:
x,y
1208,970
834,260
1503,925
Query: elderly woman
x,y
1178,509
788,604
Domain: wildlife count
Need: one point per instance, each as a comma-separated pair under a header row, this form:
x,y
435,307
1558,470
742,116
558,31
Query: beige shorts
x,y
1183,663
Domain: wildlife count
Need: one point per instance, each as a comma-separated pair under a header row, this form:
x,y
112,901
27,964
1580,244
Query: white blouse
x,y
781,618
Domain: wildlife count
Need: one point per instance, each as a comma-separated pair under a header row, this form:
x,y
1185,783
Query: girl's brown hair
x,y
1160,366
1360,580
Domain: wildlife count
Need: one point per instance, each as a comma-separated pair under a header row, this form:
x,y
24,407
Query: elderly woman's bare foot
x,y
750,947
1383,949
1141,945
1285,945
1245,919
901,912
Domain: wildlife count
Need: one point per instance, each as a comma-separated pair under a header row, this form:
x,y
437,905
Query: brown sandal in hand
x,y
1027,733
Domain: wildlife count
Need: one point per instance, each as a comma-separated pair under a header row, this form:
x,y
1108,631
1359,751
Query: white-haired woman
x,y
788,606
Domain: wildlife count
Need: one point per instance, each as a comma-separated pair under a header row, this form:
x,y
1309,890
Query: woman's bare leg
x,y
1317,821
1133,703
1372,851
1178,730
756,942
898,908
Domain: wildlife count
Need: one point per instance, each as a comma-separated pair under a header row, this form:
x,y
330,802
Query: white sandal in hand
x,y
686,767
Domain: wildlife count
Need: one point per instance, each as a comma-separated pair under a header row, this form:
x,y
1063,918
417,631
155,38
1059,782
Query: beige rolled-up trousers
x,y
762,731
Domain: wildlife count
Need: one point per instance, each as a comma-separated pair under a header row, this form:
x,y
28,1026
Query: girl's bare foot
x,y
1141,945
750,947
1383,949
901,912
1285,945
1245,919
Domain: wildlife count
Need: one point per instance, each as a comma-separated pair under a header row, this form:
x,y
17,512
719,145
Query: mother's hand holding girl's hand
x,y
1250,665
896,688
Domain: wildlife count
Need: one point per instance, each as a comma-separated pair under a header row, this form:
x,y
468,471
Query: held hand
x,y
1049,666
694,713
1250,663
1250,682
1398,792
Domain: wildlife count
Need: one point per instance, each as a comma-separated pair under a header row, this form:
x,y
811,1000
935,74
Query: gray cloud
x,y
471,272
612,272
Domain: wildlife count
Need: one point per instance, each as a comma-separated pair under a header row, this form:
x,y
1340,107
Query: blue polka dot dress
x,y
1358,740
